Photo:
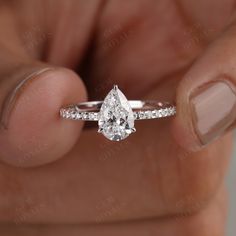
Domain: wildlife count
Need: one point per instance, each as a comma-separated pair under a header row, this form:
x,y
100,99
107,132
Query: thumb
x,y
206,97
31,95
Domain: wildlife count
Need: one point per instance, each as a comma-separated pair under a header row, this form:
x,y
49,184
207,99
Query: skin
x,y
149,184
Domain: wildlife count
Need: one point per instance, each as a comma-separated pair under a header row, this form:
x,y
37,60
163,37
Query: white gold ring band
x,y
143,110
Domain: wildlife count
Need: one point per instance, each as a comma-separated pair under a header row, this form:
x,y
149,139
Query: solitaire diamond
x,y
116,118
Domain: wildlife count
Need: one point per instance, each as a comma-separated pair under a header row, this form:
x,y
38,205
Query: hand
x,y
164,172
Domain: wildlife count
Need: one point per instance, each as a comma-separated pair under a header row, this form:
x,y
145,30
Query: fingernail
x,y
214,110
11,99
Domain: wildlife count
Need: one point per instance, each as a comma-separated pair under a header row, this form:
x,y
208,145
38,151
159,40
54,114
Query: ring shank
x,y
89,111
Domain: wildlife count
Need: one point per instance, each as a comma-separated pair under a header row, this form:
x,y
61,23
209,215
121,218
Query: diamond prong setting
x,y
100,130
133,130
116,118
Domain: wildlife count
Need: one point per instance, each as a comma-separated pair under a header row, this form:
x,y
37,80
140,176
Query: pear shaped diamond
x,y
116,118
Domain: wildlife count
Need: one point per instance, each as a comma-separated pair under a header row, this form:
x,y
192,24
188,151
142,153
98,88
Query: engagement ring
x,y
116,115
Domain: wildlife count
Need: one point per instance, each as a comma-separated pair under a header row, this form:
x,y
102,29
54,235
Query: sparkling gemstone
x,y
85,116
148,114
154,114
116,118
141,115
73,115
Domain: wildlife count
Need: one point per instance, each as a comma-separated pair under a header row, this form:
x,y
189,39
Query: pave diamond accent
x,y
154,114
74,114
116,118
